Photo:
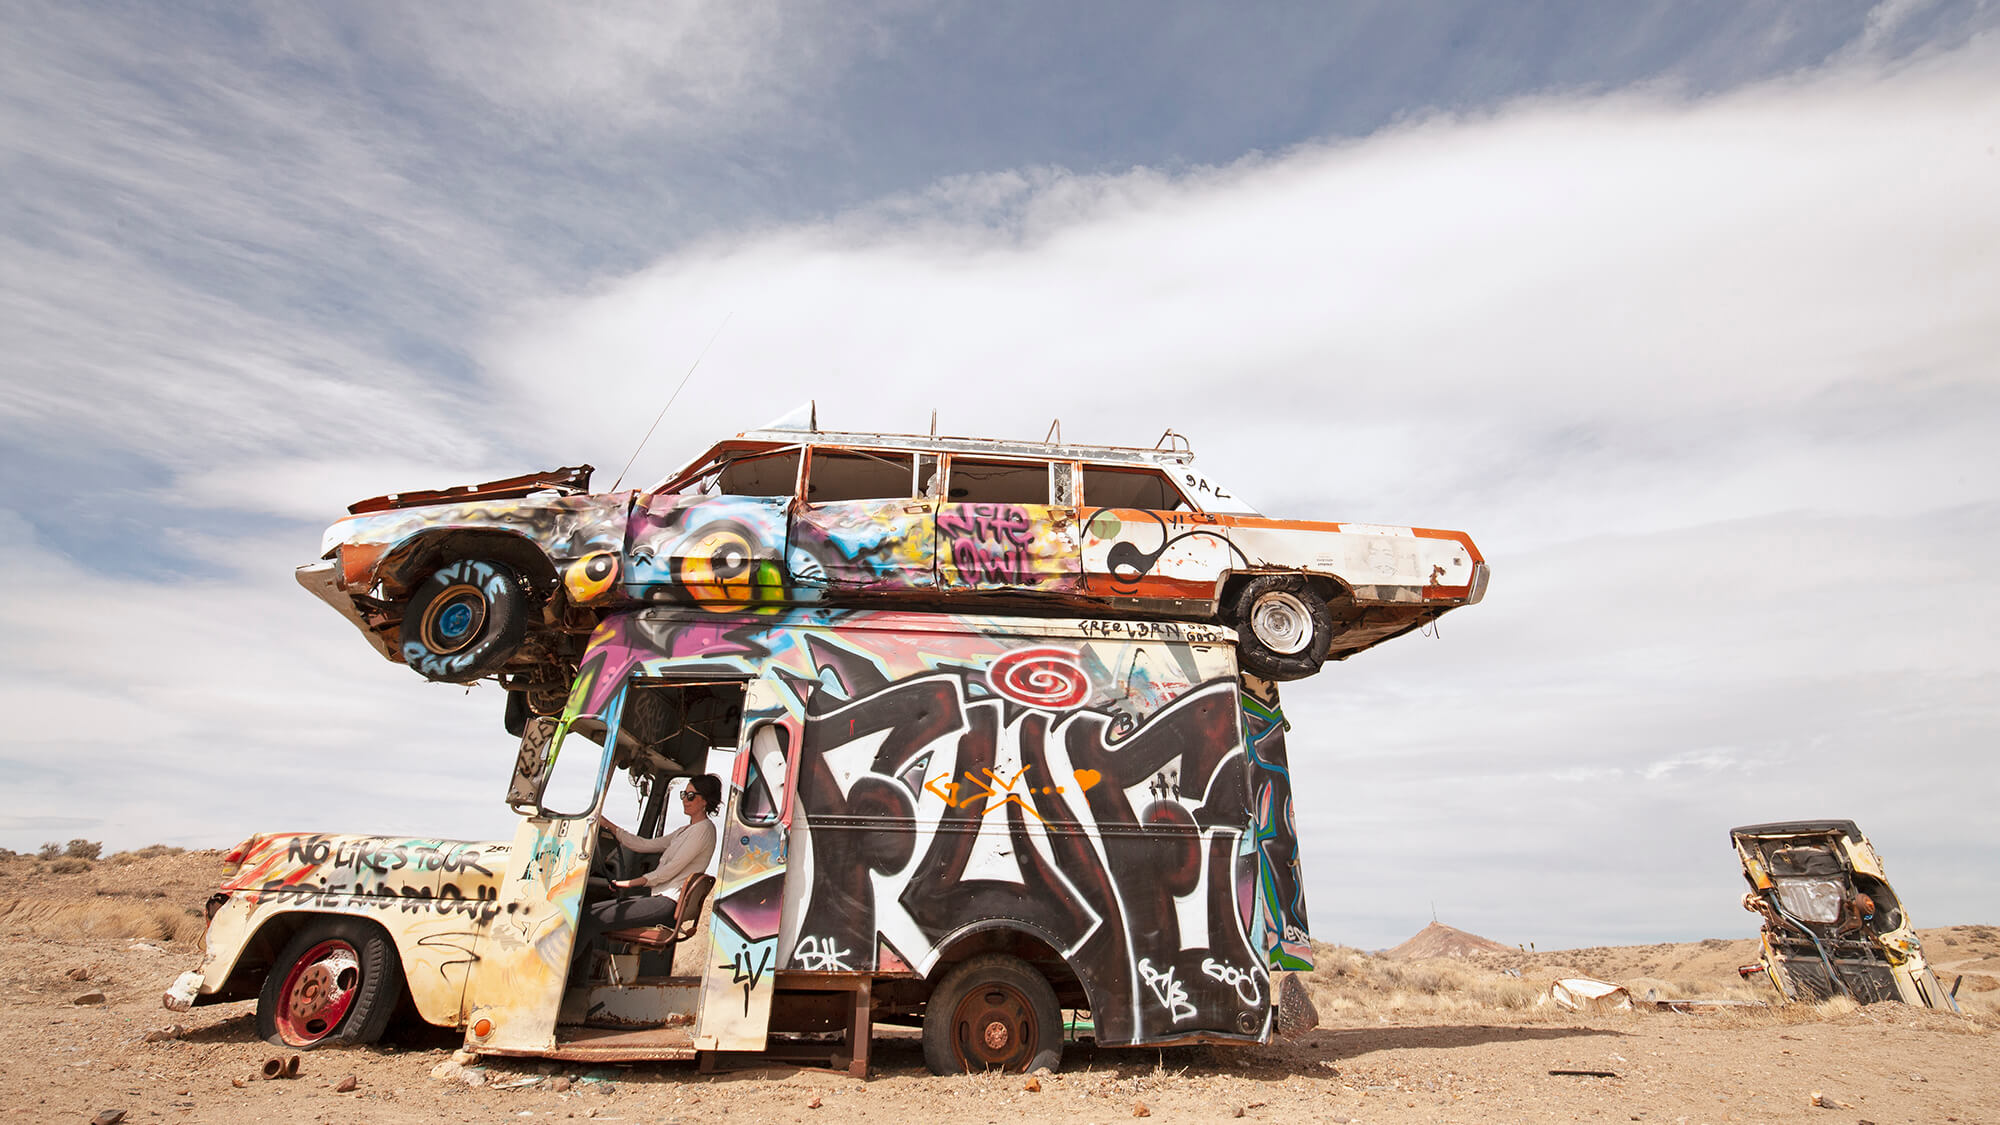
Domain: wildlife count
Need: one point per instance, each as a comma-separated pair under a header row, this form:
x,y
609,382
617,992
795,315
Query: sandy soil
x,y
65,1060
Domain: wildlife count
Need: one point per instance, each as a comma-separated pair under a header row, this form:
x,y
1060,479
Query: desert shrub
x,y
84,849
69,865
49,850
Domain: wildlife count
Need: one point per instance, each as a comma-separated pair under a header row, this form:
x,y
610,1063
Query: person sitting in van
x,y
683,852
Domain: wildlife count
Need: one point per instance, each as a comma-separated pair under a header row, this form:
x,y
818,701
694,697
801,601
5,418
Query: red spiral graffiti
x,y
1049,678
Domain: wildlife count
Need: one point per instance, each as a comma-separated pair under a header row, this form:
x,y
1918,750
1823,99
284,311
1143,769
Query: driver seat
x,y
687,917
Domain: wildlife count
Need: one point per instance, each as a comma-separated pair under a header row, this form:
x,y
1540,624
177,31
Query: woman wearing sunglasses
x,y
683,852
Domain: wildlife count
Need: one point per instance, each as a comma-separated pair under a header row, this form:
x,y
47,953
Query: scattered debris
x,y
1827,1101
108,1117
1584,1073
813,1104
162,1034
560,1085
1582,994
1240,1111
79,973
530,1080
1139,1110
1032,1085
239,1083
281,1067
89,998
347,1085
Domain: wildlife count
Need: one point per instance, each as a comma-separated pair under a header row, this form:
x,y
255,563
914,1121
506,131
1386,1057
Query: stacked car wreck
x,y
1005,733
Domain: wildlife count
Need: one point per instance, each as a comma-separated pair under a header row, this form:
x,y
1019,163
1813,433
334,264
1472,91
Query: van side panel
x,y
1087,784
1281,889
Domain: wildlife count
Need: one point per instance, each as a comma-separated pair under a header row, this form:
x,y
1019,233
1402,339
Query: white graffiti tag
x,y
1168,991
821,955
1236,978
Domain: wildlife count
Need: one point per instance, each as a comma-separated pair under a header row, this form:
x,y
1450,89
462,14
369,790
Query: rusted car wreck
x,y
508,579
1832,924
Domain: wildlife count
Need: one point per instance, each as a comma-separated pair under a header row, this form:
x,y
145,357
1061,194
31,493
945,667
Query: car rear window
x,y
1131,488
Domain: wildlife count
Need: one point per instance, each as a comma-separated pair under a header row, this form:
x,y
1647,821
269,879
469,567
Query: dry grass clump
x,y
150,851
1350,986
103,918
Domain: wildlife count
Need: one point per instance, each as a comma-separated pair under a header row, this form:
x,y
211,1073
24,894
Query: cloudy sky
x,y
1688,312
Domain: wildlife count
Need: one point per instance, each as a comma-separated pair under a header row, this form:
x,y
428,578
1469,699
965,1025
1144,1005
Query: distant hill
x,y
1439,940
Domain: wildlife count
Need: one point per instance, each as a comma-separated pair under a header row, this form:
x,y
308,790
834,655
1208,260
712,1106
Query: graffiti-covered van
x,y
508,578
997,829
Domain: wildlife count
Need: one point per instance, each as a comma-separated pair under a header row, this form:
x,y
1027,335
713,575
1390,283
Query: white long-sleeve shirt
x,y
682,852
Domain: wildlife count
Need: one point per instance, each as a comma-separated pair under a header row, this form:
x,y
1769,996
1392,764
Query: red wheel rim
x,y
994,1026
317,992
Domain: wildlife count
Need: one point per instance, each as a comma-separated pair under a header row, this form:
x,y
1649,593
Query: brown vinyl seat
x,y
687,917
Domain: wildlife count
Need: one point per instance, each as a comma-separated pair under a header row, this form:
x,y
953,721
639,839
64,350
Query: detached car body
x,y
509,578
1832,924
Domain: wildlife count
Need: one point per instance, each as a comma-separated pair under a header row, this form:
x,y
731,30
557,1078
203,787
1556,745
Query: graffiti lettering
x,y
989,544
1166,990
1151,630
821,955
1238,979
748,968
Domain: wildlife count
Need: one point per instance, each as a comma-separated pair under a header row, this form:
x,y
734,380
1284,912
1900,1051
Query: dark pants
x,y
621,914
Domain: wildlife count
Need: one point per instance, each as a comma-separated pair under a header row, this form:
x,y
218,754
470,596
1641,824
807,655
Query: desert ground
x,y
1445,1028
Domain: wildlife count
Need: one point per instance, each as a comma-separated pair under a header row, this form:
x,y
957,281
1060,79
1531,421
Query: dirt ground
x,y
1448,1040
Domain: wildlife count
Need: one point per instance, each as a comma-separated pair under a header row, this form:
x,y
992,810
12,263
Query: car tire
x,y
1283,626
992,1012
464,621
337,981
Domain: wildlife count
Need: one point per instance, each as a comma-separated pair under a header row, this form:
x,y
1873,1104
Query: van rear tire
x,y
992,1012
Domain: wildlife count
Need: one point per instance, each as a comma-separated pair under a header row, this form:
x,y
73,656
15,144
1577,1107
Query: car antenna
x,y
670,401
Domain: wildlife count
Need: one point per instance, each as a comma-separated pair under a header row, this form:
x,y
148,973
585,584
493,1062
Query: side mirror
x,y
531,765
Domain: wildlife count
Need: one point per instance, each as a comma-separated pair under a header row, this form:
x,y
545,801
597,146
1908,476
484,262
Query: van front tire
x,y
337,981
992,1012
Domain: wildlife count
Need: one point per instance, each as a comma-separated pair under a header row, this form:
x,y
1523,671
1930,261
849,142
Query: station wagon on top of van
x,y
508,578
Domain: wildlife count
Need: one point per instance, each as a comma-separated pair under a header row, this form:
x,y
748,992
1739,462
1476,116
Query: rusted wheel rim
x,y
1281,623
452,619
994,1026
318,991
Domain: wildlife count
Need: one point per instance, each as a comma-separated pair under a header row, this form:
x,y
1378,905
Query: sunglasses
x,y
686,793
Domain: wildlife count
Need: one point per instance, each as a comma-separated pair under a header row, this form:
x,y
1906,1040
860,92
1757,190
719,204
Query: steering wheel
x,y
606,860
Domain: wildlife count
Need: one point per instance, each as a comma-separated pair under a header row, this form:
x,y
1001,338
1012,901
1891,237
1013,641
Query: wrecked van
x,y
966,825
1832,924
506,579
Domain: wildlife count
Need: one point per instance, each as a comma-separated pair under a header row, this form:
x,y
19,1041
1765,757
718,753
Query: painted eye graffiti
x,y
590,576
721,568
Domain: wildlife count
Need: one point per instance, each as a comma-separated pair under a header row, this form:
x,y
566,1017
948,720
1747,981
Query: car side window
x,y
1148,489
997,482
773,474
834,475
